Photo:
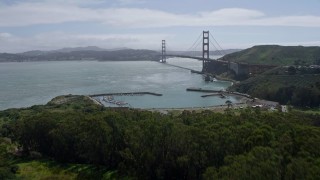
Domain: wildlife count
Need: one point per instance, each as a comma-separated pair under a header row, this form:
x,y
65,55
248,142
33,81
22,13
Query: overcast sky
x,y
142,24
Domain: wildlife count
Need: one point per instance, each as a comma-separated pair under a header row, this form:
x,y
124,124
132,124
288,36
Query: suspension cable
x,y
218,44
195,48
195,42
216,48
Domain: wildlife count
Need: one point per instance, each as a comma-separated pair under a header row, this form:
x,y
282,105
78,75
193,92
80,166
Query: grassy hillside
x,y
276,55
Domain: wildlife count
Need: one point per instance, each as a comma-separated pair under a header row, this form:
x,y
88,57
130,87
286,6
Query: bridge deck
x,y
198,58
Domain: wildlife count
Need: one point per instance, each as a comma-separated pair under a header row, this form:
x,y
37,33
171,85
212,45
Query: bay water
x,y
29,83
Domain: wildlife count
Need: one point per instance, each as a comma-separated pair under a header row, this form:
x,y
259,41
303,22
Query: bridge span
x,y
206,60
216,66
195,57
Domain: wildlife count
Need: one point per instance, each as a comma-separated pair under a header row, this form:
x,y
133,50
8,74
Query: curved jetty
x,y
126,94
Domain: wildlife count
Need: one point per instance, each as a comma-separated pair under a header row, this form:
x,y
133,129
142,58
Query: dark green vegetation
x,y
297,83
82,54
287,85
132,144
276,55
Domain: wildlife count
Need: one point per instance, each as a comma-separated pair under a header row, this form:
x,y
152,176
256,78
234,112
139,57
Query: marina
x,y
127,94
110,99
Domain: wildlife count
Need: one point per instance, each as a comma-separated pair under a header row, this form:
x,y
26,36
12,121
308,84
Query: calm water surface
x,y
30,83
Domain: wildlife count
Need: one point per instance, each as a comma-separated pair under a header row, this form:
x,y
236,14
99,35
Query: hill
x,y
86,53
276,55
287,85
95,53
63,50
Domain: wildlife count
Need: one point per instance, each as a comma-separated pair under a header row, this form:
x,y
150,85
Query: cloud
x,y
126,2
30,14
56,40
5,35
75,2
33,12
24,14
144,18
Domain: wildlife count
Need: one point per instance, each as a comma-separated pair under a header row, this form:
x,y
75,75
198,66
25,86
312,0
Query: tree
x,y
292,70
229,103
6,170
192,145
260,163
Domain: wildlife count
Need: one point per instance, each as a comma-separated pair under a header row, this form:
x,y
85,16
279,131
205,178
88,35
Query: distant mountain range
x,y
94,53
68,50
82,53
263,54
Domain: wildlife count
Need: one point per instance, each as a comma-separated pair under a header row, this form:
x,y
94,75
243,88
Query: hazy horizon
x,y
140,24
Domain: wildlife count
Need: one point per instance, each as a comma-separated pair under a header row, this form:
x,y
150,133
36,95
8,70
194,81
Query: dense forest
x,y
136,144
287,85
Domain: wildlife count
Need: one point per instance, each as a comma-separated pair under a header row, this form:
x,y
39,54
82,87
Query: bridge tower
x,y
205,49
163,52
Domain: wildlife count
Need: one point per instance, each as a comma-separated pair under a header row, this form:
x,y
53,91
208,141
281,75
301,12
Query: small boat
x,y
110,98
121,103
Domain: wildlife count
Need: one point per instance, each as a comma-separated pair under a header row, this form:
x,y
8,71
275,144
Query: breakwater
x,y
217,92
212,94
126,94
204,90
